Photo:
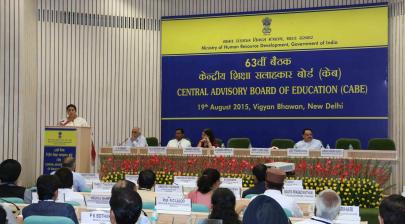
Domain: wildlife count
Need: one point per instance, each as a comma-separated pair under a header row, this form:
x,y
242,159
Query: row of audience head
x,y
126,203
10,171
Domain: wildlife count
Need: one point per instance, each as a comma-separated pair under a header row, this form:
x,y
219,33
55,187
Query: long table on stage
x,y
381,155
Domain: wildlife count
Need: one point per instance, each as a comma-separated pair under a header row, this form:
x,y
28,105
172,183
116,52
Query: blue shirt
x,y
50,208
79,183
259,188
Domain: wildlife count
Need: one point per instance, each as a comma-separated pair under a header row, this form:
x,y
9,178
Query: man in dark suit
x,y
259,173
10,170
47,188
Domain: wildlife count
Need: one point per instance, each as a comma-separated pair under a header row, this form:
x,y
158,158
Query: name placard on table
x,y
224,151
35,198
132,178
348,215
300,195
238,182
332,153
164,189
102,188
193,151
121,150
157,151
95,217
173,204
185,181
287,167
260,151
98,201
296,152
293,184
91,177
350,210
235,190
60,198
69,196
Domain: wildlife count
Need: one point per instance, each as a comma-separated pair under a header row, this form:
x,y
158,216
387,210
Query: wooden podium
x,y
61,142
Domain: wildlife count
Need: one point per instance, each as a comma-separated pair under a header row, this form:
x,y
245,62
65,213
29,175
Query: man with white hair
x,y
136,139
327,208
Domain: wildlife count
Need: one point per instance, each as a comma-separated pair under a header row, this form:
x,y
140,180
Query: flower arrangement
x,y
228,166
163,177
362,192
358,182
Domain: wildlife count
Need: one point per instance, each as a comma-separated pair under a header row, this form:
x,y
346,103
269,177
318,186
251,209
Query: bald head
x,y
123,184
327,204
70,163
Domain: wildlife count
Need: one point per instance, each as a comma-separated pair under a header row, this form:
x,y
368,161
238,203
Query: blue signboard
x,y
338,87
54,155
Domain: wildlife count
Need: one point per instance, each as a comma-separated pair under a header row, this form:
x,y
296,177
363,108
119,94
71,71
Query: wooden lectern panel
x,y
83,150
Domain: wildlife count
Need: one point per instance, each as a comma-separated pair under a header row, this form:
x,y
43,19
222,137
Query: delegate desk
x,y
163,218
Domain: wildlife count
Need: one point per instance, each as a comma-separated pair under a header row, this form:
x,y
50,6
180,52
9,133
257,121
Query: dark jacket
x,y
50,208
259,188
11,190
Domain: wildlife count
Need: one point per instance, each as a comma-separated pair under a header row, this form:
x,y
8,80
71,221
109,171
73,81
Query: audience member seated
x,y
136,139
146,183
179,141
275,183
259,174
123,184
207,184
129,185
392,210
327,208
3,215
308,141
207,139
47,188
79,183
10,170
6,215
66,178
223,206
126,206
264,210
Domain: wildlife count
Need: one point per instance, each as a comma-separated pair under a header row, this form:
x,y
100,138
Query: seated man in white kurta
x,y
179,141
136,139
308,141
275,183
